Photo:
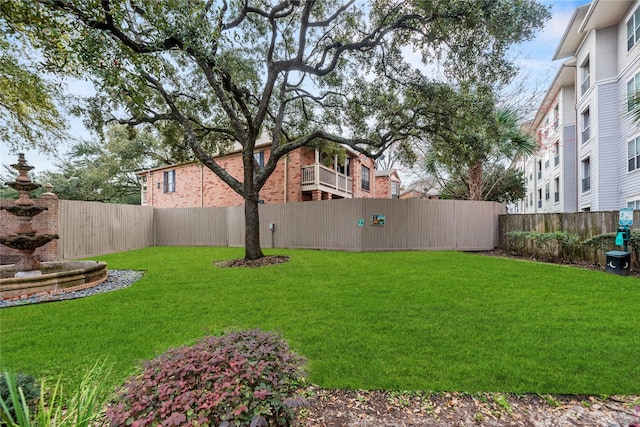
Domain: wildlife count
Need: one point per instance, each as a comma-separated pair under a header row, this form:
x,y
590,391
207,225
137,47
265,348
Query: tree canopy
x,y
29,116
217,73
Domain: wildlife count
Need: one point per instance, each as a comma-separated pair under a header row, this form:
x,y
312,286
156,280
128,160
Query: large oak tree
x,y
220,73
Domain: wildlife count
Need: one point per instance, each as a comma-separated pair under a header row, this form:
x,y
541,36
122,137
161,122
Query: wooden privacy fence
x,y
340,224
88,229
585,224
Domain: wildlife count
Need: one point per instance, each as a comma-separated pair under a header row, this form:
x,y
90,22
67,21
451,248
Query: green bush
x,y
569,245
601,242
10,396
240,379
52,409
549,244
517,242
634,243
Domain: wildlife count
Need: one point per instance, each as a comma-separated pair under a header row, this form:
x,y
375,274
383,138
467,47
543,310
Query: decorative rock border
x,y
116,279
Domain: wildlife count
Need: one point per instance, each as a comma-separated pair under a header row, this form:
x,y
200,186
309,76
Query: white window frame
x,y
365,184
259,158
634,202
584,176
633,157
633,89
585,76
586,130
633,29
395,190
169,181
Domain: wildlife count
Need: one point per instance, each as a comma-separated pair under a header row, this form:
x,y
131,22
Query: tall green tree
x,y
29,115
105,171
219,73
477,153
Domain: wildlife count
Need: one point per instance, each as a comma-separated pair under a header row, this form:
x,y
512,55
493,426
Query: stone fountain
x,y
25,239
28,275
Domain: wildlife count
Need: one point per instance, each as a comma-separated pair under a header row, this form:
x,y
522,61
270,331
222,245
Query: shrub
x,y
240,379
12,403
569,245
548,243
598,243
634,243
517,242
82,409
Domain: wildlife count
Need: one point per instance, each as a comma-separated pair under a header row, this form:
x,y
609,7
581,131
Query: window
x,y
259,158
586,127
633,87
395,190
556,117
556,189
365,178
585,73
547,194
143,197
539,169
530,199
634,204
556,153
586,175
634,154
345,168
539,198
633,29
169,181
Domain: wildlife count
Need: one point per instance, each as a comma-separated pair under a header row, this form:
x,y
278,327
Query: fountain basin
x,y
58,276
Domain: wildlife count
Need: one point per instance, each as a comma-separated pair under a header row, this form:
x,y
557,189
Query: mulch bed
x,y
260,262
357,408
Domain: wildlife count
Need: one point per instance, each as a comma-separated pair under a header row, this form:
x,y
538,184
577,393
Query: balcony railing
x,y
319,177
586,184
556,160
556,196
539,204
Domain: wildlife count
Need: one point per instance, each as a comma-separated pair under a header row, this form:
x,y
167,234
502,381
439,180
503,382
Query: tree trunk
x,y
475,181
252,247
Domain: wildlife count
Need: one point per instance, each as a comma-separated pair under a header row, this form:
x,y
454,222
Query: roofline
x,y
567,31
553,88
259,144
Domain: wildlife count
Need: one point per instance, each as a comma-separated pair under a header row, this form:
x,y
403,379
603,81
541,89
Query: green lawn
x,y
428,321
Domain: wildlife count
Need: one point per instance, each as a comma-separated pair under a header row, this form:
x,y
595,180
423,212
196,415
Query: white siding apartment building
x,y
589,156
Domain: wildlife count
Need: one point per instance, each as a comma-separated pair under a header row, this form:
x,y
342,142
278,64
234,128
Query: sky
x,y
534,57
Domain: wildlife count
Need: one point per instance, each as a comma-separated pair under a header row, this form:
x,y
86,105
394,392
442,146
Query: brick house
x,y
302,175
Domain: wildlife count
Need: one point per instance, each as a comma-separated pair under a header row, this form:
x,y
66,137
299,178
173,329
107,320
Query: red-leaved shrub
x,y
245,378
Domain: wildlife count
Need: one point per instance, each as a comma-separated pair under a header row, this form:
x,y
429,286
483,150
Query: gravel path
x,y
116,279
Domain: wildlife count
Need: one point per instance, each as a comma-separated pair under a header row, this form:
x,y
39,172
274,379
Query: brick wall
x,y
383,187
45,223
197,186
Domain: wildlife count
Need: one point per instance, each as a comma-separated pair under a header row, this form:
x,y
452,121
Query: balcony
x,y
556,160
556,196
319,177
586,184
